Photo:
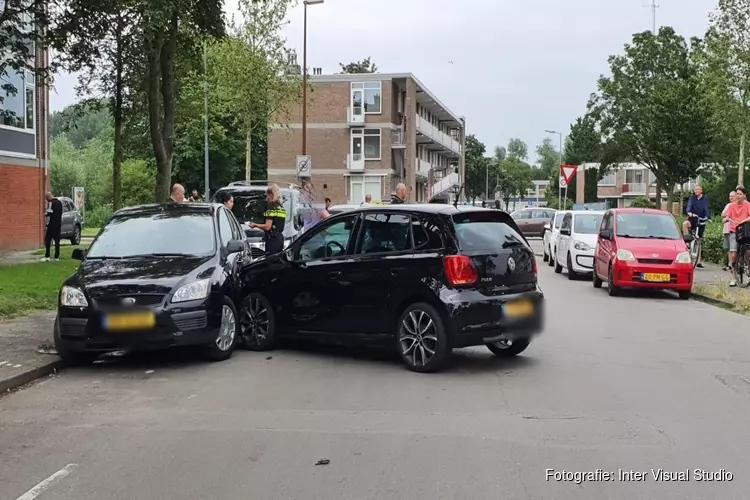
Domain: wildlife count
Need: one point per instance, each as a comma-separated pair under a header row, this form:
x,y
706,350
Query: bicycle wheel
x,y
742,266
695,251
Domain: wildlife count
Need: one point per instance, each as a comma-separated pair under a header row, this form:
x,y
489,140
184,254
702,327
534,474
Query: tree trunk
x,y
741,169
249,154
152,90
117,114
658,193
670,198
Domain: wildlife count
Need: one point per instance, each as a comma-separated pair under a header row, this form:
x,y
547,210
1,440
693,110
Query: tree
x,y
548,159
518,149
650,108
80,123
363,66
515,178
501,153
249,71
728,44
476,168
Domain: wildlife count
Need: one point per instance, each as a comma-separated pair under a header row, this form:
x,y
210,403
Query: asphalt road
x,y
631,383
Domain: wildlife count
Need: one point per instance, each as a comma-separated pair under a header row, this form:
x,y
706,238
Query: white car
x,y
574,249
551,231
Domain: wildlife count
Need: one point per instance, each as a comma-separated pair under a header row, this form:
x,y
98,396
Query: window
x,y
331,240
540,214
566,223
485,231
558,220
370,92
607,222
634,176
361,185
609,179
386,233
426,234
522,214
367,142
13,105
225,227
587,224
29,107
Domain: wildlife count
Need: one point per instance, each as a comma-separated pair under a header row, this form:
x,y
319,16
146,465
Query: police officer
x,y
275,216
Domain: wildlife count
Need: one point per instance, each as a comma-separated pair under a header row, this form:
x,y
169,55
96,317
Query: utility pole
x,y
654,5
205,125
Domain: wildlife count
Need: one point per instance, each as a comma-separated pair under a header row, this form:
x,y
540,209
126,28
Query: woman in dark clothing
x,y
275,216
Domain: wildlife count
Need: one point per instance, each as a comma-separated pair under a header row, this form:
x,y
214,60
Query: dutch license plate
x,y
129,321
655,277
518,309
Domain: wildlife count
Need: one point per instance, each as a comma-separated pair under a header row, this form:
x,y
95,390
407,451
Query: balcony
x,y
397,139
433,133
447,183
355,162
423,167
355,116
635,188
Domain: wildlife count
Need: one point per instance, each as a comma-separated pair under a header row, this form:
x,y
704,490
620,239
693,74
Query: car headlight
x,y
196,290
684,258
581,246
72,297
625,255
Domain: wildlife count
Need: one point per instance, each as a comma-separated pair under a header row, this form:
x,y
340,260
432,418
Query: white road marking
x,y
39,488
3,362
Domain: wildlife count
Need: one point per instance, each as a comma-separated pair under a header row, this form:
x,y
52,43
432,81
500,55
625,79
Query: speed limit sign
x,y
563,184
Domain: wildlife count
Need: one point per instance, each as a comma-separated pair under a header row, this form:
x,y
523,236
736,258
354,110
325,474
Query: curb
x,y
712,301
23,378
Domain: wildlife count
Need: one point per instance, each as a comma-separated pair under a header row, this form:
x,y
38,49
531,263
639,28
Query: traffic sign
x,y
563,184
568,172
304,166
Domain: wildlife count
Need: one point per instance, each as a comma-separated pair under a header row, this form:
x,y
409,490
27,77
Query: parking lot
x,y
627,382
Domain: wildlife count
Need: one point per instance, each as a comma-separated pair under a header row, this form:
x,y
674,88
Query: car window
x,y
225,227
384,232
646,225
426,234
329,240
607,222
540,214
587,223
524,214
485,231
566,222
558,220
165,232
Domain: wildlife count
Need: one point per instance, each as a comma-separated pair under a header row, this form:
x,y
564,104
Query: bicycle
x,y
695,244
742,261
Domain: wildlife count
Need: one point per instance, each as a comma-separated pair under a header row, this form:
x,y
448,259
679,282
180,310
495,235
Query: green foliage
x,y
548,158
80,123
712,246
718,187
363,66
642,202
476,168
554,202
517,149
98,216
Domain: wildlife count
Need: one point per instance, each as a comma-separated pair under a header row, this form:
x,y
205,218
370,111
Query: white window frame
x,y
364,87
362,179
605,181
26,83
364,133
635,172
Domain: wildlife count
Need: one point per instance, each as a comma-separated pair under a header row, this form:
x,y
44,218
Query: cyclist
x,y
698,212
738,213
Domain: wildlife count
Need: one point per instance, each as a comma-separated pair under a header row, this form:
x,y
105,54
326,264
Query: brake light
x,y
460,270
533,266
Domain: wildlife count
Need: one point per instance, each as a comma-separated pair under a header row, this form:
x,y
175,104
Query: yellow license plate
x,y
518,309
655,277
130,321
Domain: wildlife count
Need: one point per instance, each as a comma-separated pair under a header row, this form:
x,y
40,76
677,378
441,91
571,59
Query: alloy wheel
x,y
503,344
227,330
417,338
255,321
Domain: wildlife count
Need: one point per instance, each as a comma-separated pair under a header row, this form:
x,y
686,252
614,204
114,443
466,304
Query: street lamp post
x,y
559,189
304,76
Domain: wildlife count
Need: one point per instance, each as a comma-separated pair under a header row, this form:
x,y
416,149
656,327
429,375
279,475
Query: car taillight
x,y
460,270
533,266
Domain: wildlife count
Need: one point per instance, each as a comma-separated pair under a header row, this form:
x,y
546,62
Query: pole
x,y
205,124
487,181
654,5
304,84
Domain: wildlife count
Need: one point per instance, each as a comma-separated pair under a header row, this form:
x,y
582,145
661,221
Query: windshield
x,y
161,233
486,231
645,225
587,223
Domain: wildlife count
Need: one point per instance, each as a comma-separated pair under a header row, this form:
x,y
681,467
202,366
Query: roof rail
x,y
288,185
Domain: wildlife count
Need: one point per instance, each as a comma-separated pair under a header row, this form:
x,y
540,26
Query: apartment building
x,y
368,132
624,183
24,157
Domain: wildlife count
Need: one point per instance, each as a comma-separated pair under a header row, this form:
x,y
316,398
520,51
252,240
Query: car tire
x,y
596,280
684,295
612,290
508,350
222,347
420,329
558,267
551,257
69,357
76,239
571,274
257,323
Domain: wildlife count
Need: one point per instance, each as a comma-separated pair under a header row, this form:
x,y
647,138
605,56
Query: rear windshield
x,y
489,230
587,223
647,225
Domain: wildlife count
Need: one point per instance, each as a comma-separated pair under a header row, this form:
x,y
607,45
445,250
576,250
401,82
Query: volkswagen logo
x,y
511,264
128,301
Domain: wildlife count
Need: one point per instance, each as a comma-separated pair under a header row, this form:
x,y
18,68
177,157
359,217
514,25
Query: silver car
x,y
72,222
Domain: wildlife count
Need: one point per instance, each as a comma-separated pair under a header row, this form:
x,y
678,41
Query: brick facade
x,y
21,213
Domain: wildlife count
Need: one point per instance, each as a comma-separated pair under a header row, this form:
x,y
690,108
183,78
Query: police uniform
x,y
274,237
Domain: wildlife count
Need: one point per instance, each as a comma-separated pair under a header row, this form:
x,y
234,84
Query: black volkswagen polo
x,y
422,279
156,276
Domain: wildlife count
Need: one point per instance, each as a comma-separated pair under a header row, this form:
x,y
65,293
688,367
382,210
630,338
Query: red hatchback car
x,y
642,248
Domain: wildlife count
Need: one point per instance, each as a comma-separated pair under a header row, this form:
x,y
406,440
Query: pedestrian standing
x,y
275,216
727,223
178,193
367,202
738,213
311,211
227,200
400,195
195,197
54,226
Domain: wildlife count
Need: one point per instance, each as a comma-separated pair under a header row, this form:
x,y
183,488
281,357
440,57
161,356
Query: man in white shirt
x,y
367,202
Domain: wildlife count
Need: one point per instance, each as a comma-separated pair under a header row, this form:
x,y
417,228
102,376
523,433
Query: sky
x,y
512,68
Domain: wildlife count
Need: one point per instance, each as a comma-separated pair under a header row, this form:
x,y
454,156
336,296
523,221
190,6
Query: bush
x,y
642,202
712,247
99,216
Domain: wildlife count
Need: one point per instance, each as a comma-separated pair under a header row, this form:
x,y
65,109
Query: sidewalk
x,y
712,285
20,338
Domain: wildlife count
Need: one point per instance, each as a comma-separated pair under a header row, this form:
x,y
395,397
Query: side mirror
x,y
79,254
235,246
605,234
547,227
688,238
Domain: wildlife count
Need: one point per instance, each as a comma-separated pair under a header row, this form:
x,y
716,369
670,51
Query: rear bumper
x,y
477,319
627,275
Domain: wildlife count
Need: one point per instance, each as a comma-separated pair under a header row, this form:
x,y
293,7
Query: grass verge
x,y
64,249
736,298
90,231
25,288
